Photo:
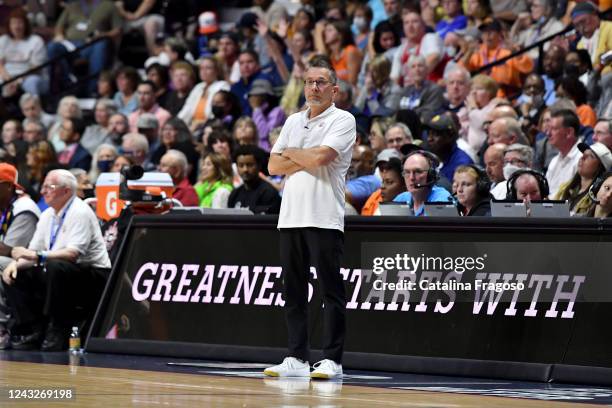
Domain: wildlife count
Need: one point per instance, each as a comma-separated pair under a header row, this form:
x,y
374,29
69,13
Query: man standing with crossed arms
x,y
314,151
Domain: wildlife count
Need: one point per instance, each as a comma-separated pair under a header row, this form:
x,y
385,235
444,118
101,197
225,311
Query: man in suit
x,y
74,155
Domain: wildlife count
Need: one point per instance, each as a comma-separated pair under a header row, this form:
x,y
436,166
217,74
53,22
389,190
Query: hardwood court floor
x,y
112,387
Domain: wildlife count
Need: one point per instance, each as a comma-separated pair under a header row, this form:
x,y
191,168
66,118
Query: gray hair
x,y
404,129
457,68
27,97
320,61
139,141
179,158
76,172
65,179
513,127
526,152
108,104
606,121
346,87
416,58
41,127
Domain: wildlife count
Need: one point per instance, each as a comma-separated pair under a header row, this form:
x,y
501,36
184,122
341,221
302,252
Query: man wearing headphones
x,y
420,175
527,185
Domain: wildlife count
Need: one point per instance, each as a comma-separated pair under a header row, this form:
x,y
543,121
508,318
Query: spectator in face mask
x,y
103,159
362,18
516,156
84,186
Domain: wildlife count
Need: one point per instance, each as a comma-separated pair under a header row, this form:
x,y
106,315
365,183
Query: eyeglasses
x,y
319,83
515,162
49,187
415,172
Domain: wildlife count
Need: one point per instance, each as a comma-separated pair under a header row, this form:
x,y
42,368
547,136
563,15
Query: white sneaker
x,y
290,367
326,369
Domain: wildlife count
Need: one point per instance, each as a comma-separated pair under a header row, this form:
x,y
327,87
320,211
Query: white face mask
x,y
509,170
450,51
359,22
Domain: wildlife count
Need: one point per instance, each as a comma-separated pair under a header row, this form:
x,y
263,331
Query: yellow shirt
x,y
604,44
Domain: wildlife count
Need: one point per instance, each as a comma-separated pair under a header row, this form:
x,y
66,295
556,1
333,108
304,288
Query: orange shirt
x,y
587,116
371,205
509,73
341,64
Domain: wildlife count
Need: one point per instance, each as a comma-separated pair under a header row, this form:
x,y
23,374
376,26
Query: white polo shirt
x,y
80,230
562,169
315,197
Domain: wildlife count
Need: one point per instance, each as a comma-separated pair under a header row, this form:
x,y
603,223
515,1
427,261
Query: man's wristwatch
x,y
42,257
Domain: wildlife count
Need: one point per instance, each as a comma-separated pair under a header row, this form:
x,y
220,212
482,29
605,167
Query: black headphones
x,y
540,178
432,161
483,185
596,186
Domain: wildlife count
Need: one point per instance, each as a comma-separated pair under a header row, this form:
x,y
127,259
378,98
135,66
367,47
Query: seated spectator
x,y
507,131
563,134
118,126
11,130
515,157
144,16
102,162
97,133
602,192
476,12
422,96
84,186
571,87
255,193
225,109
106,85
215,182
531,105
266,113
378,130
417,42
18,225
40,157
361,181
385,43
227,54
378,91
20,51
596,159
472,189
148,125
301,48
531,27
362,19
397,135
552,64
126,97
174,163
182,82
457,83
31,109
420,175
147,101
176,136
76,267
603,132
338,44
73,29
442,141
120,162
250,70
245,132
481,102
527,185
454,19
74,155
160,75
33,131
68,108
494,163
389,165
507,75
136,147
198,107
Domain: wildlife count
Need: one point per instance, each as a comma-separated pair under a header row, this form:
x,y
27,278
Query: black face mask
x,y
88,193
218,111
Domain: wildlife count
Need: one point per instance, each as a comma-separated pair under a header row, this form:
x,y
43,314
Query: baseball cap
x,y
261,87
208,23
491,25
248,20
443,122
601,151
582,8
8,173
147,121
386,155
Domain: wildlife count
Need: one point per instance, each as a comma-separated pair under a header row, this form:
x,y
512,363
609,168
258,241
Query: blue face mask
x,y
105,165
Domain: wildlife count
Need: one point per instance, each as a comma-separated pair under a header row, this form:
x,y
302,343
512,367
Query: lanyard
x,y
6,215
485,58
55,231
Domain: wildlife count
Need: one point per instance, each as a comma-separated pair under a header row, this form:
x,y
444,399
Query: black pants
x,y
301,248
38,296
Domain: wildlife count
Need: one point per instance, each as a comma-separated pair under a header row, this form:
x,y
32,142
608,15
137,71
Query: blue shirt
x,y
448,26
242,88
436,194
457,158
361,188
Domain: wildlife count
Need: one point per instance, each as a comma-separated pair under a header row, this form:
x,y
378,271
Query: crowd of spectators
x,y
448,106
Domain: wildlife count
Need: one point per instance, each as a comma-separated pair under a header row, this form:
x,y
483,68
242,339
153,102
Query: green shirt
x,y
78,24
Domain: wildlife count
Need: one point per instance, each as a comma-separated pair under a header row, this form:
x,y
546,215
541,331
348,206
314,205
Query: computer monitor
x,y
508,208
441,209
549,209
395,209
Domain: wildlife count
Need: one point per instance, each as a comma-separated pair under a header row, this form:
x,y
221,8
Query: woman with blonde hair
x,y
215,183
480,102
245,132
68,108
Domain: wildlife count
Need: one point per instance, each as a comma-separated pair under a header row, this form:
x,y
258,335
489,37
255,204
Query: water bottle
x,y
74,343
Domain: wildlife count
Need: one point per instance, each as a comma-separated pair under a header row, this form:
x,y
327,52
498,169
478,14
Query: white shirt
x,y
79,231
562,169
315,197
500,190
431,43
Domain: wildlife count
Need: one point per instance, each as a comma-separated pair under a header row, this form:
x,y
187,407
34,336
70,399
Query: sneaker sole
x,y
322,376
270,373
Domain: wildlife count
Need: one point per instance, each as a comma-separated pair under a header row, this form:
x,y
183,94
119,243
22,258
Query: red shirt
x,y
186,194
